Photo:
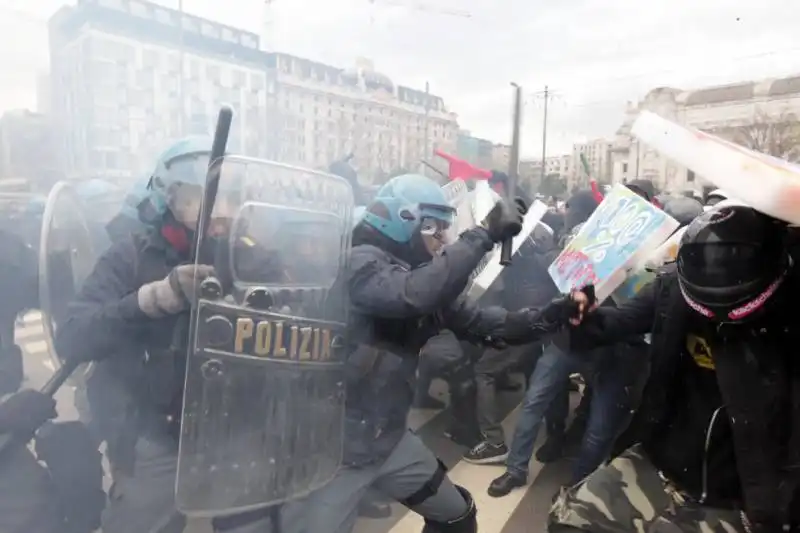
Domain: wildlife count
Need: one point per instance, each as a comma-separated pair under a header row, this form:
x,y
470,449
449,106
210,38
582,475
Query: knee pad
x,y
429,488
466,523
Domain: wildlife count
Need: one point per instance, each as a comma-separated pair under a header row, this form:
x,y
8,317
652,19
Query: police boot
x,y
466,523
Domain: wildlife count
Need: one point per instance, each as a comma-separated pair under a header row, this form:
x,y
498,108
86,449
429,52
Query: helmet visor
x,y
720,265
190,170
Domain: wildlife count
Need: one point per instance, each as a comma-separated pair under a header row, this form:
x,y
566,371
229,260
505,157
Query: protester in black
x,y
716,440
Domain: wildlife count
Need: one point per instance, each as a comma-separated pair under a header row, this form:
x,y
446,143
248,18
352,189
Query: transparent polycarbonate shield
x,y
67,254
263,407
102,201
471,206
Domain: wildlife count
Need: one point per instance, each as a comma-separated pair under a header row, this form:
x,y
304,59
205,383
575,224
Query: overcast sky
x,y
594,54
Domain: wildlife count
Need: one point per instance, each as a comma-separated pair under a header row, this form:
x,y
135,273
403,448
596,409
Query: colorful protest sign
x,y
623,229
766,183
644,271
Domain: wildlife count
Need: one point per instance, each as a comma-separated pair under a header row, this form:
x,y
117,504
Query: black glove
x,y
564,308
504,221
24,412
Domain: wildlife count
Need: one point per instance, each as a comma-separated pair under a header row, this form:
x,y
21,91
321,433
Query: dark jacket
x,y
136,383
395,310
696,388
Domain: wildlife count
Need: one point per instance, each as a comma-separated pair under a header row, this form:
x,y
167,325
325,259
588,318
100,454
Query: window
x,y
228,35
238,79
163,16
210,30
191,24
690,176
139,9
150,59
113,4
257,81
249,41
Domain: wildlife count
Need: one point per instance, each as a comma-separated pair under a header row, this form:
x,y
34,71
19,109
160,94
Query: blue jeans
x,y
611,377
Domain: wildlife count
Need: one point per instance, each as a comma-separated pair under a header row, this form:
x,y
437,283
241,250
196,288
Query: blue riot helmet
x,y
177,182
104,198
412,215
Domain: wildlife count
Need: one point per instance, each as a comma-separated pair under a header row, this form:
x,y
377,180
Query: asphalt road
x,y
524,510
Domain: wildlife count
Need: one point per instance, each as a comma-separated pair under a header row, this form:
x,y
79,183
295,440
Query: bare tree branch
x,y
778,136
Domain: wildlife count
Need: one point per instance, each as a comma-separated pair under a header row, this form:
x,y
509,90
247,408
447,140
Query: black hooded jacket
x,y
720,414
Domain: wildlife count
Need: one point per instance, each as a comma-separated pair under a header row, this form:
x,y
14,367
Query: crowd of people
x,y
690,412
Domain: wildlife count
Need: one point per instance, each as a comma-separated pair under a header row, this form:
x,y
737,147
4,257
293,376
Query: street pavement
x,y
524,510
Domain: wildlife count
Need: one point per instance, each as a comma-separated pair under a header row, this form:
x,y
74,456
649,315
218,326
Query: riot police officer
x,y
125,317
404,284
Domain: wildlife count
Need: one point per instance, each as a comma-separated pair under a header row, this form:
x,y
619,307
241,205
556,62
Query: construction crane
x,y
425,8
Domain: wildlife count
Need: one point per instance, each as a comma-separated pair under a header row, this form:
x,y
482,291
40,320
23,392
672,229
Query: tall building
x,y
557,164
43,98
319,113
25,147
474,150
128,76
597,154
501,157
769,108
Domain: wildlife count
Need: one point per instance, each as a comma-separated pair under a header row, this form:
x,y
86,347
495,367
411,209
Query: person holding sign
x,y
715,443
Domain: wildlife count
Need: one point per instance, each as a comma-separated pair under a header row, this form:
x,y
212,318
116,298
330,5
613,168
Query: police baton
x,y
221,133
513,168
9,442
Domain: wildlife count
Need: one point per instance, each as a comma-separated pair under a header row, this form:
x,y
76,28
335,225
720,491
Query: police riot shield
x,y
102,201
263,407
67,255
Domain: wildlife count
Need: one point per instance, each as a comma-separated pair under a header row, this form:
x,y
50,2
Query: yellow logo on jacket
x,y
700,351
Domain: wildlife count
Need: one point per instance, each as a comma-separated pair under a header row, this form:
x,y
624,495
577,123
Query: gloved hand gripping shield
x,y
67,254
263,405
